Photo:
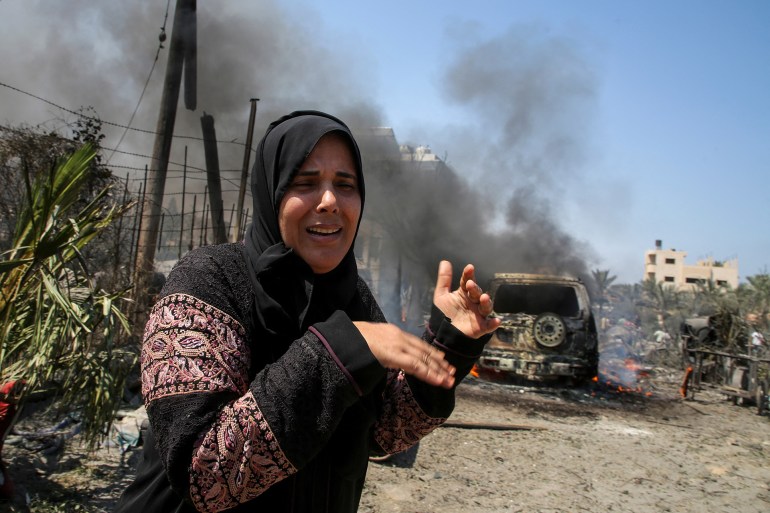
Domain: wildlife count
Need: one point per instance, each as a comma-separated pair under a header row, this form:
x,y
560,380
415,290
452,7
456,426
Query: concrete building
x,y
668,266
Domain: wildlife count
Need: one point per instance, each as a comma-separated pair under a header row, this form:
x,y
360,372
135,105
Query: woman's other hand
x,y
394,348
468,307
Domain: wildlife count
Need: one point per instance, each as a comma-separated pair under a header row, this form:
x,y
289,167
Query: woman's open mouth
x,y
317,230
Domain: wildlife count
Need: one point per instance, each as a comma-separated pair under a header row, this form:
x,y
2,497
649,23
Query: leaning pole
x,y
156,179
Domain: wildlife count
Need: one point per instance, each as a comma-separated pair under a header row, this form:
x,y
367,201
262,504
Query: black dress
x,y
248,419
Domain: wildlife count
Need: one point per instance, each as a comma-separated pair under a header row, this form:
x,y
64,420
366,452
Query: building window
x,y
722,283
669,279
652,259
671,261
693,280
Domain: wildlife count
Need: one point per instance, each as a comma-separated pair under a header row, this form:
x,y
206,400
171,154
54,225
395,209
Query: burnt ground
x,y
551,450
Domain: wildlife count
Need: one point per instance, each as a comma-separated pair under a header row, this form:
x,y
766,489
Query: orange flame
x,y
685,382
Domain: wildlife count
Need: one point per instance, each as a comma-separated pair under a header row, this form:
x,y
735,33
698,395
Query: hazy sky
x,y
629,121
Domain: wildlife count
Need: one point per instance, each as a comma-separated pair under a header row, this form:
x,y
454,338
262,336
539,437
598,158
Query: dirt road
x,y
589,449
594,451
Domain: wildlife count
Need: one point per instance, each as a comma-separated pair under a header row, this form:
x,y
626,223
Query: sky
x,y
622,122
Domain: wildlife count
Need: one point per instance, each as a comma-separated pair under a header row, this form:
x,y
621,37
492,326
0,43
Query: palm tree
x,y
602,282
716,296
57,333
759,298
665,300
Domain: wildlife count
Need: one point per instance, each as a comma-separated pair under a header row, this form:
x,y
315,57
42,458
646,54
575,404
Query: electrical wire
x,y
110,123
161,37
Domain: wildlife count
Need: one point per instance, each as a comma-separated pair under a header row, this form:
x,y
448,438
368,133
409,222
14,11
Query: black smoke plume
x,y
500,200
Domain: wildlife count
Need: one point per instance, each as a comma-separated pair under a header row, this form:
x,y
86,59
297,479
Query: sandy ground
x,y
585,449
592,450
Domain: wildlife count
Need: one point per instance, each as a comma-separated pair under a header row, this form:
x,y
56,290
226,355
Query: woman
x,y
268,371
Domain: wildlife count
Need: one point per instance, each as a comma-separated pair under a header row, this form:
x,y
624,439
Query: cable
x,y
161,37
110,123
172,173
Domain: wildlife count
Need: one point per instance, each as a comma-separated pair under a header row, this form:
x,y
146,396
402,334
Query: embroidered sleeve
x,y
194,350
238,459
190,346
402,422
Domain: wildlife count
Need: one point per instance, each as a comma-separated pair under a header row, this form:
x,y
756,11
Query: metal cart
x,y
745,379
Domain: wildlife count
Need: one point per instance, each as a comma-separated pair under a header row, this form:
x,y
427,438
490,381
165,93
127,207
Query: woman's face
x,y
319,212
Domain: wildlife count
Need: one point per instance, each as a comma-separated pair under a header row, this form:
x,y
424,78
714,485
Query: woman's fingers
x,y
444,279
485,305
420,360
473,291
430,369
396,349
469,273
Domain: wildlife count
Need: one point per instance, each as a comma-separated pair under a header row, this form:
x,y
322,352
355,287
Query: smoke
x,y
515,163
531,95
99,54
500,203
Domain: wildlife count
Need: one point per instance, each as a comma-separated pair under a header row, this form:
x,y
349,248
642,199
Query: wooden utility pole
x,y
212,179
192,224
190,27
184,193
143,193
118,252
205,227
156,181
131,264
238,231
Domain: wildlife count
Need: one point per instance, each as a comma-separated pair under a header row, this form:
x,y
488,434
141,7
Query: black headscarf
x,y
288,295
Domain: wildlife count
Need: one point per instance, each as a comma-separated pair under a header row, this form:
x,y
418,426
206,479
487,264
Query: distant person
x,y
268,371
662,337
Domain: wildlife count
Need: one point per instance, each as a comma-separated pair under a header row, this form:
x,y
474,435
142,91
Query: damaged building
x,y
388,252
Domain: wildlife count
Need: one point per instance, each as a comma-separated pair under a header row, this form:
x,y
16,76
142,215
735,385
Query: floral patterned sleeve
x,y
193,348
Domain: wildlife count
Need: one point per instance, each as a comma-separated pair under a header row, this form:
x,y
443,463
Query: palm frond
x,y
57,332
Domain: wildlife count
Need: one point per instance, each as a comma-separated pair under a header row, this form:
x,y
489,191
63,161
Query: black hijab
x,y
289,297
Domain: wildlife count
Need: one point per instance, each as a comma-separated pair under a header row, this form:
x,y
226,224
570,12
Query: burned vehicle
x,y
548,332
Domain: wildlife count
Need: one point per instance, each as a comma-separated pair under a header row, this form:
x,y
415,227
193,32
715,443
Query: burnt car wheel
x,y
549,330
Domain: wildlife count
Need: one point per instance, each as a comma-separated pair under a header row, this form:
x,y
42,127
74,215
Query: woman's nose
x,y
328,202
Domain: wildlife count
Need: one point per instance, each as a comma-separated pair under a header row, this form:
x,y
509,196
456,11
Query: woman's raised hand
x,y
468,307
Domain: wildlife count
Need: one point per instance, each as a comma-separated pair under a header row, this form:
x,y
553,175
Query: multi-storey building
x,y
668,266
